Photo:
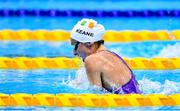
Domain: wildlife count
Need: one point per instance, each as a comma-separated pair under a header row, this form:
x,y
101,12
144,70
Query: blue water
x,y
91,4
58,81
146,49
66,23
61,80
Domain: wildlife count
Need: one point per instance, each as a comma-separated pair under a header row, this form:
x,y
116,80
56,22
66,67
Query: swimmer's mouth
x,y
75,53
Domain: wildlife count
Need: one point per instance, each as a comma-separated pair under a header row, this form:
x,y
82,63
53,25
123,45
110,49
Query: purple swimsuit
x,y
129,87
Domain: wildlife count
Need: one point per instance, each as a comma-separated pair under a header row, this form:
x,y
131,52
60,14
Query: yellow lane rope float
x,y
110,35
73,63
89,100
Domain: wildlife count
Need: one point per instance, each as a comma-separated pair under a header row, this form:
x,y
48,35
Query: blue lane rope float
x,y
89,13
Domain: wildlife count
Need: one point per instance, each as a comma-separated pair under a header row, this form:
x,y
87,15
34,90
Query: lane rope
x,y
110,35
88,13
74,63
89,100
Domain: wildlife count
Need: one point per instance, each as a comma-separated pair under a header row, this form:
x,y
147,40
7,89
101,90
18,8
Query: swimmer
x,y
105,69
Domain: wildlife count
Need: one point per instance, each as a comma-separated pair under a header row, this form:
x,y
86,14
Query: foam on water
x,y
168,87
63,81
146,85
170,51
81,80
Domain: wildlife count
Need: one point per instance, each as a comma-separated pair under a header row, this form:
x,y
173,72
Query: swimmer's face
x,y
79,49
75,44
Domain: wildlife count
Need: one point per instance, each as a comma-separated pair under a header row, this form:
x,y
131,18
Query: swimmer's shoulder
x,y
90,59
93,57
91,65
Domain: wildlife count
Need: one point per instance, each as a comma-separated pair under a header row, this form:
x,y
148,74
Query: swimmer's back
x,y
113,71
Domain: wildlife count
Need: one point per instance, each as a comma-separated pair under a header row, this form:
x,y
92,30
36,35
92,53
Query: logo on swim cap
x,y
84,32
91,24
83,23
87,30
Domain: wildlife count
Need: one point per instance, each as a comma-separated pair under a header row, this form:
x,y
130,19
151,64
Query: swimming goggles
x,y
76,45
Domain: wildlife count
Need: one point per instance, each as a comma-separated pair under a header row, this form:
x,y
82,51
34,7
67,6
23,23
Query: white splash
x,y
170,51
81,80
148,86
168,87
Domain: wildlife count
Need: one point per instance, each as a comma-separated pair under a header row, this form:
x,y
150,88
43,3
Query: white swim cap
x,y
87,30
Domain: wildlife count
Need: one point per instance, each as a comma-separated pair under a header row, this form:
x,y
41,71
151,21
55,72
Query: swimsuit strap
x,y
120,59
131,83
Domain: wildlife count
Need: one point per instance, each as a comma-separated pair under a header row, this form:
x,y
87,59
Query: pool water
x,y
74,81
66,23
166,108
63,81
147,49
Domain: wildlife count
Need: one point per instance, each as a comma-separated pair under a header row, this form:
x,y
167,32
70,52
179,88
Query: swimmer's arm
x,y
92,73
